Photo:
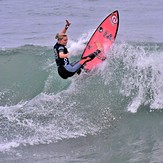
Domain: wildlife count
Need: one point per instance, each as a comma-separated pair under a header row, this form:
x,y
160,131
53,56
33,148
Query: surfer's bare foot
x,y
88,58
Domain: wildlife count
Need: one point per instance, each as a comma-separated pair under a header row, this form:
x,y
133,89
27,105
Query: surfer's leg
x,y
92,55
73,67
84,60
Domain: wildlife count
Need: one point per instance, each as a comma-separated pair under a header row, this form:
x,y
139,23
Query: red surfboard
x,y
105,34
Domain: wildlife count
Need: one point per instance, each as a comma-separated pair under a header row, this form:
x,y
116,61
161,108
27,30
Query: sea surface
x,y
113,114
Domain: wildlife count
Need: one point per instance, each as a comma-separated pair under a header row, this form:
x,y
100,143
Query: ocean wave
x,y
139,67
38,107
43,120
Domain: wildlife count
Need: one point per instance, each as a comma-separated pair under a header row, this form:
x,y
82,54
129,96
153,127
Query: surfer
x,y
65,68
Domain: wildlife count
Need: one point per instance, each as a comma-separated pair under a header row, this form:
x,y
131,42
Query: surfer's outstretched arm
x,y
66,27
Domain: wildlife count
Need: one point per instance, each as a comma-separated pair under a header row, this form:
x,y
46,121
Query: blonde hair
x,y
60,36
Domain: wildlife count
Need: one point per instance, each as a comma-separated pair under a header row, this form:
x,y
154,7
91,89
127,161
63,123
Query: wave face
x,y
38,107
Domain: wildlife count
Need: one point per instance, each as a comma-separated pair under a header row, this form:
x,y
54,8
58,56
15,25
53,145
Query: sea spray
x,y
140,70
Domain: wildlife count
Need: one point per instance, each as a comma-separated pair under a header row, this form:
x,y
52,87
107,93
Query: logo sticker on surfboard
x,y
114,19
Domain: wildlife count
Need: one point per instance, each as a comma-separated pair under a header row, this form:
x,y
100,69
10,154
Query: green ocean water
x,y
114,110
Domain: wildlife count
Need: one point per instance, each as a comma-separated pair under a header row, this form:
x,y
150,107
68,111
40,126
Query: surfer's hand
x,y
67,23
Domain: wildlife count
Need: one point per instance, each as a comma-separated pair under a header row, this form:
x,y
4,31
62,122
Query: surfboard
x,y
105,34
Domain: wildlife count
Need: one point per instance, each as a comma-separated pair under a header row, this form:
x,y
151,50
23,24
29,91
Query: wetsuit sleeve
x,y
61,49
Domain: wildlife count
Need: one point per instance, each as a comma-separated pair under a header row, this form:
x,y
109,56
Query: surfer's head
x,y
62,38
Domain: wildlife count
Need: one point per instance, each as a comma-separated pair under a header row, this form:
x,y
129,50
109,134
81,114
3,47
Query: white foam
x,y
139,69
76,47
143,77
45,119
7,146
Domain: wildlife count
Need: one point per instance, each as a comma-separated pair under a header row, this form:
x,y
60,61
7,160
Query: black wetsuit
x,y
61,62
65,69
